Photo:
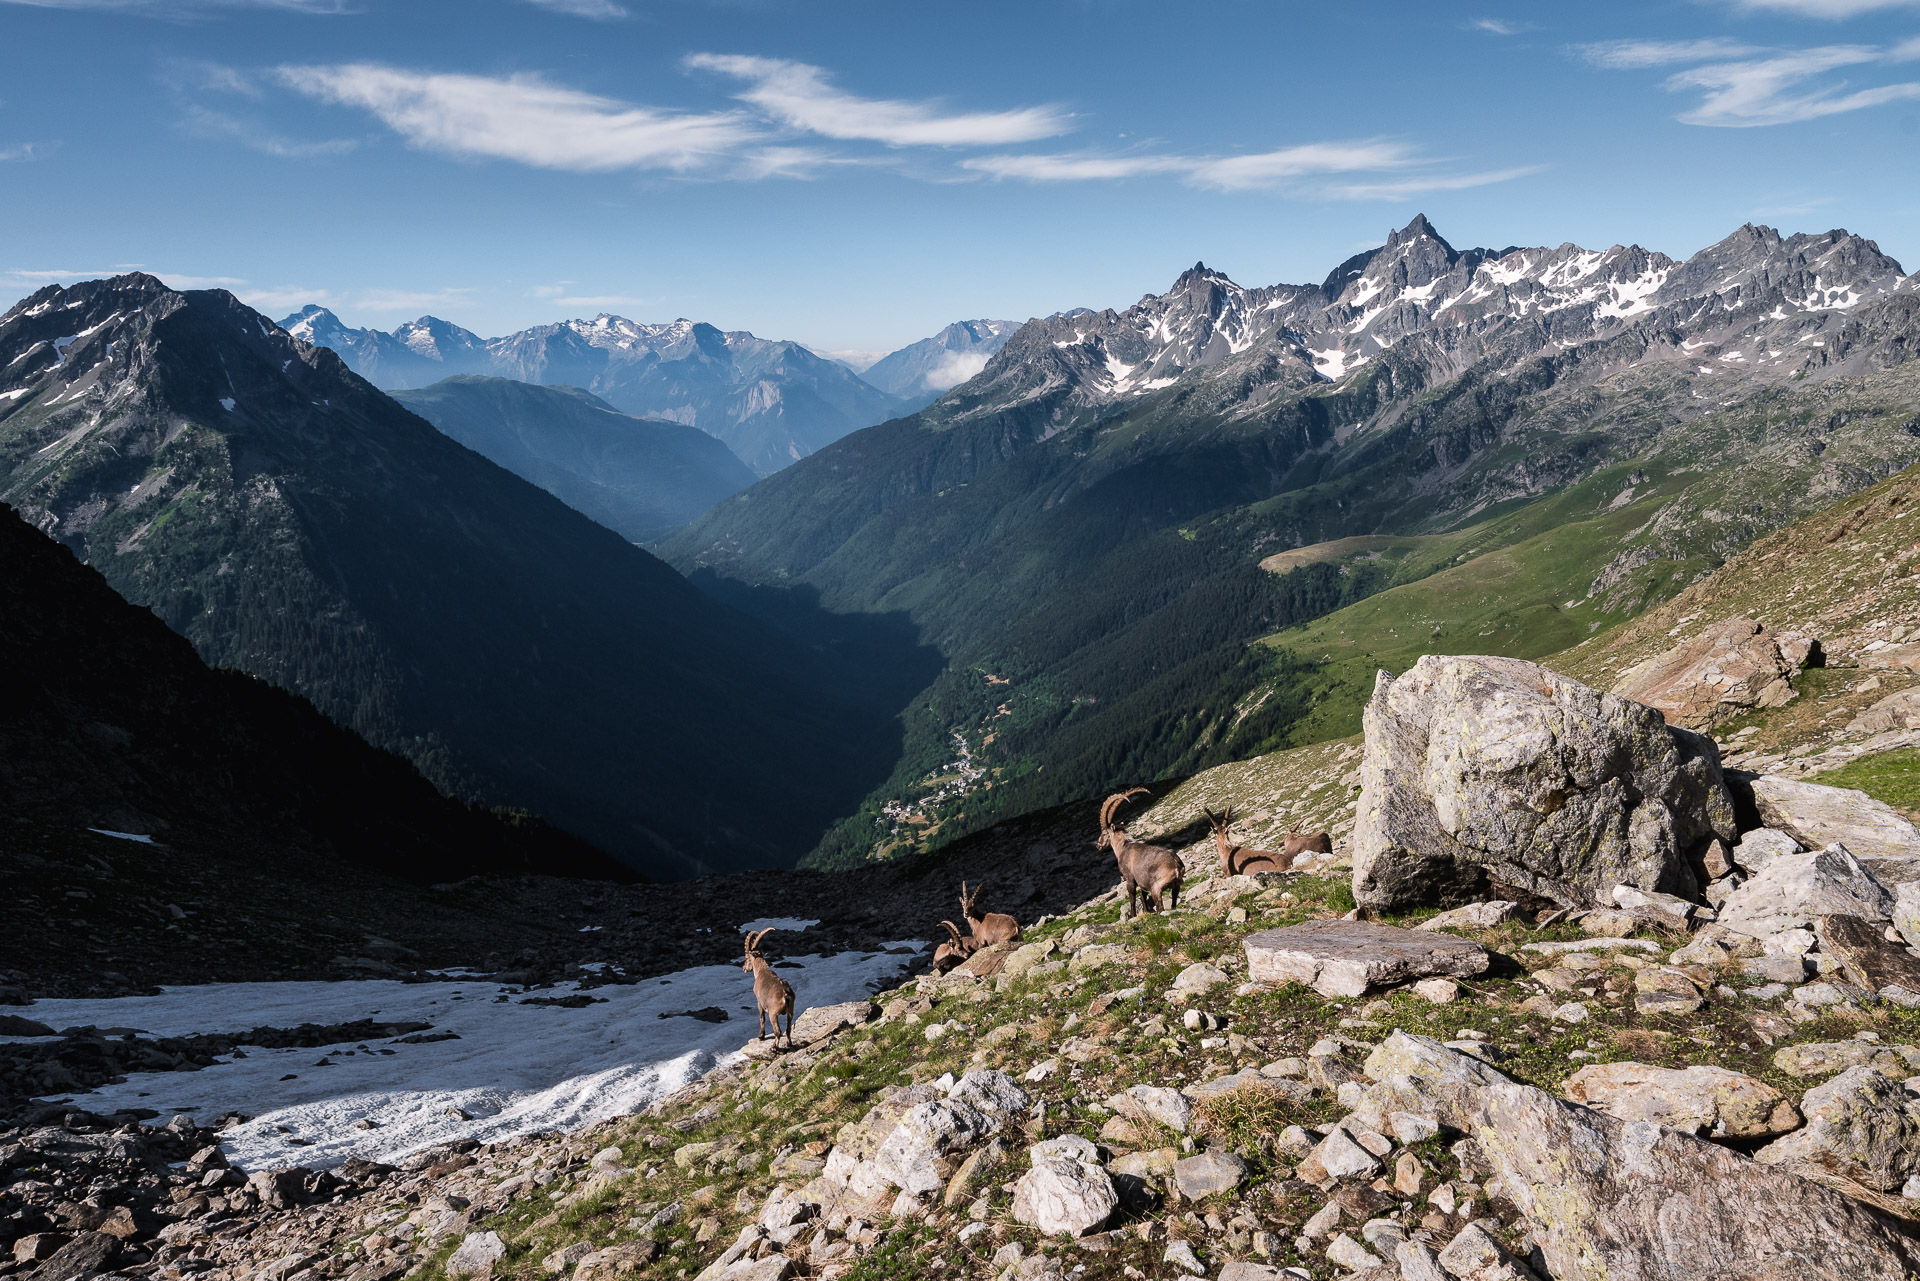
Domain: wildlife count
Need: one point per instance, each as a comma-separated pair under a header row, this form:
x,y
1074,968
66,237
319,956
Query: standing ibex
x,y
994,927
1150,869
773,994
953,952
1238,860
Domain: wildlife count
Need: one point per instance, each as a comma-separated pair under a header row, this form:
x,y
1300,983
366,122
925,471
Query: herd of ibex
x,y
1152,871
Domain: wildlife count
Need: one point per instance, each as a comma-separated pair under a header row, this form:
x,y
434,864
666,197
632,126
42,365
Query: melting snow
x,y
777,923
123,836
226,403
513,1069
15,393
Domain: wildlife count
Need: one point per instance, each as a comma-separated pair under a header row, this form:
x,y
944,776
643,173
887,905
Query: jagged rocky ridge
x,y
1061,523
770,401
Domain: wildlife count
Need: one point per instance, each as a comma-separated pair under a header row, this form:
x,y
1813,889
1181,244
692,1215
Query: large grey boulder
x,y
1618,1200
820,1021
1349,958
1709,1101
1860,1126
1866,955
1420,1075
1492,768
1817,815
1066,1193
1796,890
915,1140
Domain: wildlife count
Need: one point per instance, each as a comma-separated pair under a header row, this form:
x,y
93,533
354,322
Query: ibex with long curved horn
x,y
771,993
1153,870
1238,860
994,927
953,952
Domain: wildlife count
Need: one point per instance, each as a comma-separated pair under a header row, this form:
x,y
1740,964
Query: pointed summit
x,y
1418,229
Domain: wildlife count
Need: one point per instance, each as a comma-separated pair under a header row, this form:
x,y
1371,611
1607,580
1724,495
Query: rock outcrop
x,y
1708,1101
1795,890
1816,815
1493,769
1719,673
1350,958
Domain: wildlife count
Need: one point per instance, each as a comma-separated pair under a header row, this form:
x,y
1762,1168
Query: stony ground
x,y
1099,1006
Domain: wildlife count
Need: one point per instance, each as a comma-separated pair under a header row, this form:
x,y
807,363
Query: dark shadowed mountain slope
x,y
109,720
291,520
641,477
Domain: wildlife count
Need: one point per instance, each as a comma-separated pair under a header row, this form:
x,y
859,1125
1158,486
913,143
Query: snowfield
x,y
514,1069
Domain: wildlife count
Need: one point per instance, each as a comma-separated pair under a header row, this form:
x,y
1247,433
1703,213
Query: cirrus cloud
x,y
1741,86
526,119
800,96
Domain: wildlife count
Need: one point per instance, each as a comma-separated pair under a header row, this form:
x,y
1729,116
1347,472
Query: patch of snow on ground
x,y
777,923
123,836
514,1069
226,403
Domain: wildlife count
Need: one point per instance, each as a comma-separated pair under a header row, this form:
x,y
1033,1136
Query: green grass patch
x,y
1893,777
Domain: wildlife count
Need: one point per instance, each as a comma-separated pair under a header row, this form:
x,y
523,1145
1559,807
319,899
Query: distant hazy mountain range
x,y
642,477
923,370
293,521
771,401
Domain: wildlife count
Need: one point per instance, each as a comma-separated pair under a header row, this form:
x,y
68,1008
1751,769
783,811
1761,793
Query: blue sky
x,y
855,175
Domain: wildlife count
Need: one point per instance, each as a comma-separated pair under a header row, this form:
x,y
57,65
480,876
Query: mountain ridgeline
x,y
641,477
109,720
769,401
292,521
1505,449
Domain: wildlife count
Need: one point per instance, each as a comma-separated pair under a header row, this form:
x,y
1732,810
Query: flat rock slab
x,y
825,1020
1817,815
1871,960
1347,958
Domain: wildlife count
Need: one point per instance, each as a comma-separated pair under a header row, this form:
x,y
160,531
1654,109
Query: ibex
x,y
955,950
1298,843
994,927
773,994
1152,870
1238,860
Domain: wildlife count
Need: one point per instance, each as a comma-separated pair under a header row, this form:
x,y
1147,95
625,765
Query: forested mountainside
x,y
641,477
770,401
292,521
1082,528
109,720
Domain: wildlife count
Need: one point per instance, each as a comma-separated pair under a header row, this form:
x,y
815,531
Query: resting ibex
x,y
951,953
1152,870
1298,843
994,927
773,994
1238,860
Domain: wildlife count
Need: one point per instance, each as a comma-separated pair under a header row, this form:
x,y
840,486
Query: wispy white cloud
x,y
526,119
1272,168
209,123
599,10
1401,188
800,96
1299,168
23,151
190,8
1743,87
1825,8
1075,166
1765,91
1629,55
1496,26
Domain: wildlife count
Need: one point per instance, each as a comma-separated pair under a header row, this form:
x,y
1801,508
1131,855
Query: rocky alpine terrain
x,y
1629,1083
